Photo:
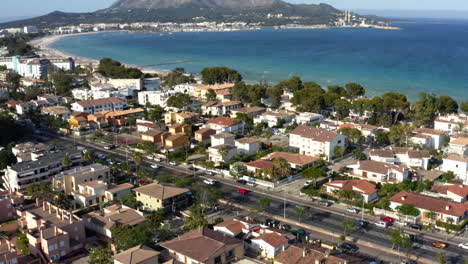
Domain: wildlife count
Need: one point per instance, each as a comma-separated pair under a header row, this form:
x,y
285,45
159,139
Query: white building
x,y
220,109
451,123
312,141
458,165
155,97
97,105
216,155
365,189
225,125
458,146
30,29
95,192
248,145
272,118
409,157
428,138
34,67
269,244
378,171
222,139
308,118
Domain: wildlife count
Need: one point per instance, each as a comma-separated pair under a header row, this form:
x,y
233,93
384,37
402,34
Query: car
x,y
284,227
353,210
244,182
101,156
173,163
381,224
361,223
109,147
463,245
271,223
210,173
349,247
150,157
325,203
410,236
251,183
387,219
416,226
154,166
307,183
438,244
242,191
408,261
209,182
158,159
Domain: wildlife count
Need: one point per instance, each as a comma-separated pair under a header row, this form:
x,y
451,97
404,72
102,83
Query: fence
x,y
396,215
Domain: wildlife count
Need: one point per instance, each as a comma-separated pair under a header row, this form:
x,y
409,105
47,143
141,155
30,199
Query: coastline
x,y
44,49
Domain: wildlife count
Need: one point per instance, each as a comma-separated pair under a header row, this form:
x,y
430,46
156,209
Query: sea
x,y
424,56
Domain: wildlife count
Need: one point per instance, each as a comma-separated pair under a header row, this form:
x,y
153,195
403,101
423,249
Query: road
x,y
317,216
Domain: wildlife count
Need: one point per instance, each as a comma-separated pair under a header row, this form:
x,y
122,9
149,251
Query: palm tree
x,y
284,169
137,158
347,225
66,161
267,134
300,211
62,200
88,157
196,218
41,191
223,152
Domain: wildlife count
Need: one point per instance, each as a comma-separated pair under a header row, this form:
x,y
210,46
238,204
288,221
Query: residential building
x,y
180,128
95,192
248,145
29,151
225,125
97,105
260,167
21,175
8,252
203,245
274,118
154,97
366,130
458,165
144,126
222,139
428,138
188,88
180,118
455,192
224,95
8,203
156,196
137,255
218,87
220,108
312,141
204,135
174,142
57,112
305,118
269,244
231,228
363,188
406,156
114,117
453,123
378,171
154,136
68,181
458,146
52,232
250,111
221,153
297,162
78,120
34,67
114,215
303,253
442,208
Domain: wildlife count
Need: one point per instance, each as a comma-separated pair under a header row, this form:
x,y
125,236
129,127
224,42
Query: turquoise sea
x,y
424,56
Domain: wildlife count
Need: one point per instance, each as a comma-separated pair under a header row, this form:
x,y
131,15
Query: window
x,y
62,243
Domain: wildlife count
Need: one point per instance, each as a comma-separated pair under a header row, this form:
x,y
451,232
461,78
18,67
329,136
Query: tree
x,y
313,173
175,77
156,113
88,157
354,135
300,211
180,101
237,171
446,105
223,151
62,200
338,90
275,94
126,237
22,243
137,158
196,219
425,109
130,201
448,227
114,69
342,109
355,90
66,161
41,191
63,83
100,256
264,203
210,95
292,85
395,102
381,138
310,98
401,240
358,154
218,75
155,219
464,107
448,176
399,134
442,258
347,225
284,169
338,152
408,209
7,158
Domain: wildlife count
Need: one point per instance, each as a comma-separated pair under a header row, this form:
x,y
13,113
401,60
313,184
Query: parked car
x,y
102,156
251,183
416,226
381,224
210,173
349,247
352,210
244,182
463,245
272,223
209,182
438,244
284,227
109,147
154,166
361,223
150,157
242,191
324,203
158,159
307,183
387,219
173,163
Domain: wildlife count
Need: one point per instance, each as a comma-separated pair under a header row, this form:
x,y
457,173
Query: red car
x,y
242,191
438,244
387,219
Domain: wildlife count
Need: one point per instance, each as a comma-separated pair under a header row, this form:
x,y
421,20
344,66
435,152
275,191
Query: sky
x,y
28,8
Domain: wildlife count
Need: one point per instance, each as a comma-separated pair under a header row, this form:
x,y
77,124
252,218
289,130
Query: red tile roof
x,y
459,190
273,239
379,167
232,225
360,186
314,133
261,164
102,101
224,121
293,158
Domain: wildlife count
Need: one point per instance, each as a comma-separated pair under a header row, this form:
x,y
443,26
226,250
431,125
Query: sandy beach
x,y
44,50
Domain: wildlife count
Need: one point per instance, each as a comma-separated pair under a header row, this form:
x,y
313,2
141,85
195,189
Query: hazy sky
x,y
17,8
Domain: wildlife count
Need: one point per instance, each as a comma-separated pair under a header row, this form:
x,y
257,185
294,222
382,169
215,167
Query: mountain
x,y
186,11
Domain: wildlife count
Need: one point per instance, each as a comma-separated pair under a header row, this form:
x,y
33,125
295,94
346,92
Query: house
x,y
220,108
8,203
201,91
180,118
29,151
458,146
8,252
113,117
68,181
203,245
455,192
406,156
137,255
156,196
428,137
231,228
78,120
97,105
442,208
275,118
313,141
378,171
297,162
222,139
248,145
216,154
154,136
366,130
180,128
155,97
52,232
204,135
112,216
269,244
260,167
458,165
57,112
223,95
24,108
144,126
177,141
305,118
452,123
225,125
12,103
303,253
250,111
365,189
95,192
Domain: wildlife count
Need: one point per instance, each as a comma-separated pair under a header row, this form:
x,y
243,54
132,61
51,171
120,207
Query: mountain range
x,y
185,11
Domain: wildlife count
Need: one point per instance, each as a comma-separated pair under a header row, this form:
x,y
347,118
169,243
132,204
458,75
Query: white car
x,y
209,182
381,224
158,159
150,157
463,245
352,210
173,163
154,166
307,183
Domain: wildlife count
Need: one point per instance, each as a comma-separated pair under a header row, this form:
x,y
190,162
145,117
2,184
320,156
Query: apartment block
x,y
68,181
